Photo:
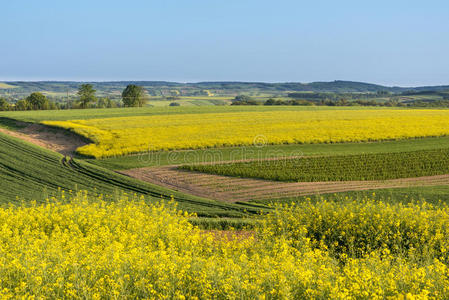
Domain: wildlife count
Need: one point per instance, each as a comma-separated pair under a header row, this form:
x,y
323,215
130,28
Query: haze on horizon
x,y
401,43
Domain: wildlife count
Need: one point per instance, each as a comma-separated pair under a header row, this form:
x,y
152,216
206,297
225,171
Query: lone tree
x,y
134,96
86,93
37,101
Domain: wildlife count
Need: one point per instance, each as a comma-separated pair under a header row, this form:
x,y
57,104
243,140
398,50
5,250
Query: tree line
x,y
132,96
391,102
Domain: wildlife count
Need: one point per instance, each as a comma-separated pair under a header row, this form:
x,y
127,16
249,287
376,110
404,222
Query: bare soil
x,y
54,139
233,189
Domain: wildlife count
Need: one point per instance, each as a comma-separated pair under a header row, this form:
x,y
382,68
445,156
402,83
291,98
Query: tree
x,y
86,93
134,96
101,103
242,98
270,101
110,103
22,105
4,105
37,101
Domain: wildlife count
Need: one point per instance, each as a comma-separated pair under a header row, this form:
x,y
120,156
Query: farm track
x,y
57,140
232,189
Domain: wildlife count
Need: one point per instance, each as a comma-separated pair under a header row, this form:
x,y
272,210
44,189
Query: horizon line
x,y
230,81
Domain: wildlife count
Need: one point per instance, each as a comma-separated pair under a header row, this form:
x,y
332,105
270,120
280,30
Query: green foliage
x,y
224,223
105,102
244,100
4,105
273,101
134,96
38,101
380,166
22,105
86,95
35,101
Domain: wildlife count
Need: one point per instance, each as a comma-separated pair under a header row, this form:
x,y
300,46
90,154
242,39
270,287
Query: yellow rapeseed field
x,y
80,248
126,135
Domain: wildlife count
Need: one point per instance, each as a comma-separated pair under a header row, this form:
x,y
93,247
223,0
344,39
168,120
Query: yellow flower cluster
x,y
81,248
126,135
357,227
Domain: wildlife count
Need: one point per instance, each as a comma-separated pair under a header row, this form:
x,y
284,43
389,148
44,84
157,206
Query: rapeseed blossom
x,y
80,247
126,135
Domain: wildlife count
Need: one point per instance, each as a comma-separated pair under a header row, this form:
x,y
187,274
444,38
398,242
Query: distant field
x,y
379,166
99,113
189,101
7,86
116,136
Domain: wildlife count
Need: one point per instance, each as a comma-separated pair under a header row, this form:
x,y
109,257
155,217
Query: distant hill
x,y
21,88
333,86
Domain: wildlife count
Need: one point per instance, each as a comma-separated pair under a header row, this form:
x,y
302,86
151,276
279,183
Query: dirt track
x,y
60,141
233,189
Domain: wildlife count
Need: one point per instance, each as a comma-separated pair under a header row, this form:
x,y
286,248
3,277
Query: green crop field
x,y
379,166
29,173
436,195
163,158
86,114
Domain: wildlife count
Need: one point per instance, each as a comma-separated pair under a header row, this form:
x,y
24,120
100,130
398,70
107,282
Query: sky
x,y
393,42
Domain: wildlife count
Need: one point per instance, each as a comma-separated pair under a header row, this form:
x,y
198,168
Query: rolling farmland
x,y
385,150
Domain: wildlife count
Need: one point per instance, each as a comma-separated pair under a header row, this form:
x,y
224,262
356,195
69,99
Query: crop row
x,y
379,166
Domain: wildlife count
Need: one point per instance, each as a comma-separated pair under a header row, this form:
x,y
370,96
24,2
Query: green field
x,y
163,158
378,166
99,113
30,173
437,195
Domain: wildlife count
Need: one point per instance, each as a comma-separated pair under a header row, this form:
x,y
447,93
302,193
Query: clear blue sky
x,y
388,42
